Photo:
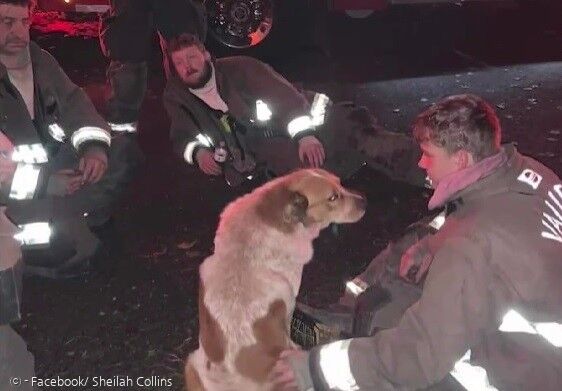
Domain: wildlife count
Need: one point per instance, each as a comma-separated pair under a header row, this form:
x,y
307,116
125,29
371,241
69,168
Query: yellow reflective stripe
x,y
224,122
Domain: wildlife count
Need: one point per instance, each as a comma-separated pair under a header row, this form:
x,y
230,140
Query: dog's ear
x,y
295,210
282,208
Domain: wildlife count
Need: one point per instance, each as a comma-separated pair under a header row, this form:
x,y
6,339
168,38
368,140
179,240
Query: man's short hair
x,y
183,41
460,122
22,3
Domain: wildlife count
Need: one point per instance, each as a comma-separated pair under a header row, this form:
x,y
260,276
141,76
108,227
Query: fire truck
x,y
241,24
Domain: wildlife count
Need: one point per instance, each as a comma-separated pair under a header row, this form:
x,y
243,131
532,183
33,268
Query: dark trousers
x,y
126,38
96,200
72,216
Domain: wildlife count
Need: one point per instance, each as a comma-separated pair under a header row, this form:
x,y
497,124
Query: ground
x,y
138,318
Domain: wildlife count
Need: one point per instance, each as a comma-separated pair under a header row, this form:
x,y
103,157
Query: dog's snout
x,y
361,202
359,199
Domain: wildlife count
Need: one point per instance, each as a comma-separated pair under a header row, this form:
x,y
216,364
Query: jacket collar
x,y
481,180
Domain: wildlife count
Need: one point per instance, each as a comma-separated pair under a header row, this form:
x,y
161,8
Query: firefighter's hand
x,y
65,182
282,375
311,151
207,163
7,166
93,165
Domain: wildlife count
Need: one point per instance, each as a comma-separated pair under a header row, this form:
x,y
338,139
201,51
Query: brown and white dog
x,y
249,285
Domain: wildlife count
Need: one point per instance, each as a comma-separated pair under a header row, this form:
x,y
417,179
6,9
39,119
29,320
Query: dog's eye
x,y
334,197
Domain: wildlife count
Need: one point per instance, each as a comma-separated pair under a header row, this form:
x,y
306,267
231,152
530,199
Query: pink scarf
x,y
457,181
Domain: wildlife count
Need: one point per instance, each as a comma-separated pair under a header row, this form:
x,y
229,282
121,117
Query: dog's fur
x,y
249,285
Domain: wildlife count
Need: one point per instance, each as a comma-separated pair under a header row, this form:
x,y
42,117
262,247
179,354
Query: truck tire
x,y
276,28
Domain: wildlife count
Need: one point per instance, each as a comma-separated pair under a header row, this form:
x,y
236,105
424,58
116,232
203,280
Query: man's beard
x,y
204,79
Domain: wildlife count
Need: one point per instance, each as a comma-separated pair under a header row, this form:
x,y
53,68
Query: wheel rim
x,y
240,23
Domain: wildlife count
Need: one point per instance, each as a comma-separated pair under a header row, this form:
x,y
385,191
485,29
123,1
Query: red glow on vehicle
x,y
51,22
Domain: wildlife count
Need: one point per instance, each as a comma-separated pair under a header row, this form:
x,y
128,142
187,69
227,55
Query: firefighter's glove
x,y
415,262
311,152
207,163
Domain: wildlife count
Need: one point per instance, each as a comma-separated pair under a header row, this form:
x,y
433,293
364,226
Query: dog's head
x,y
312,197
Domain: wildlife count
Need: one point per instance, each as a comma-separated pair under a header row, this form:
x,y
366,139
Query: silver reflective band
x,y
30,154
334,363
24,182
299,124
475,378
471,377
201,140
262,111
129,127
57,132
514,322
318,109
309,122
34,234
356,286
90,133
438,221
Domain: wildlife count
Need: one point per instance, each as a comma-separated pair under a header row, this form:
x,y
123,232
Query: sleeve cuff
x,y
309,132
191,149
88,134
300,125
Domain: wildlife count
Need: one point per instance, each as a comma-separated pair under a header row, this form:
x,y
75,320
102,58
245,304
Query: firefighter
x,y
236,116
126,36
490,314
62,172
